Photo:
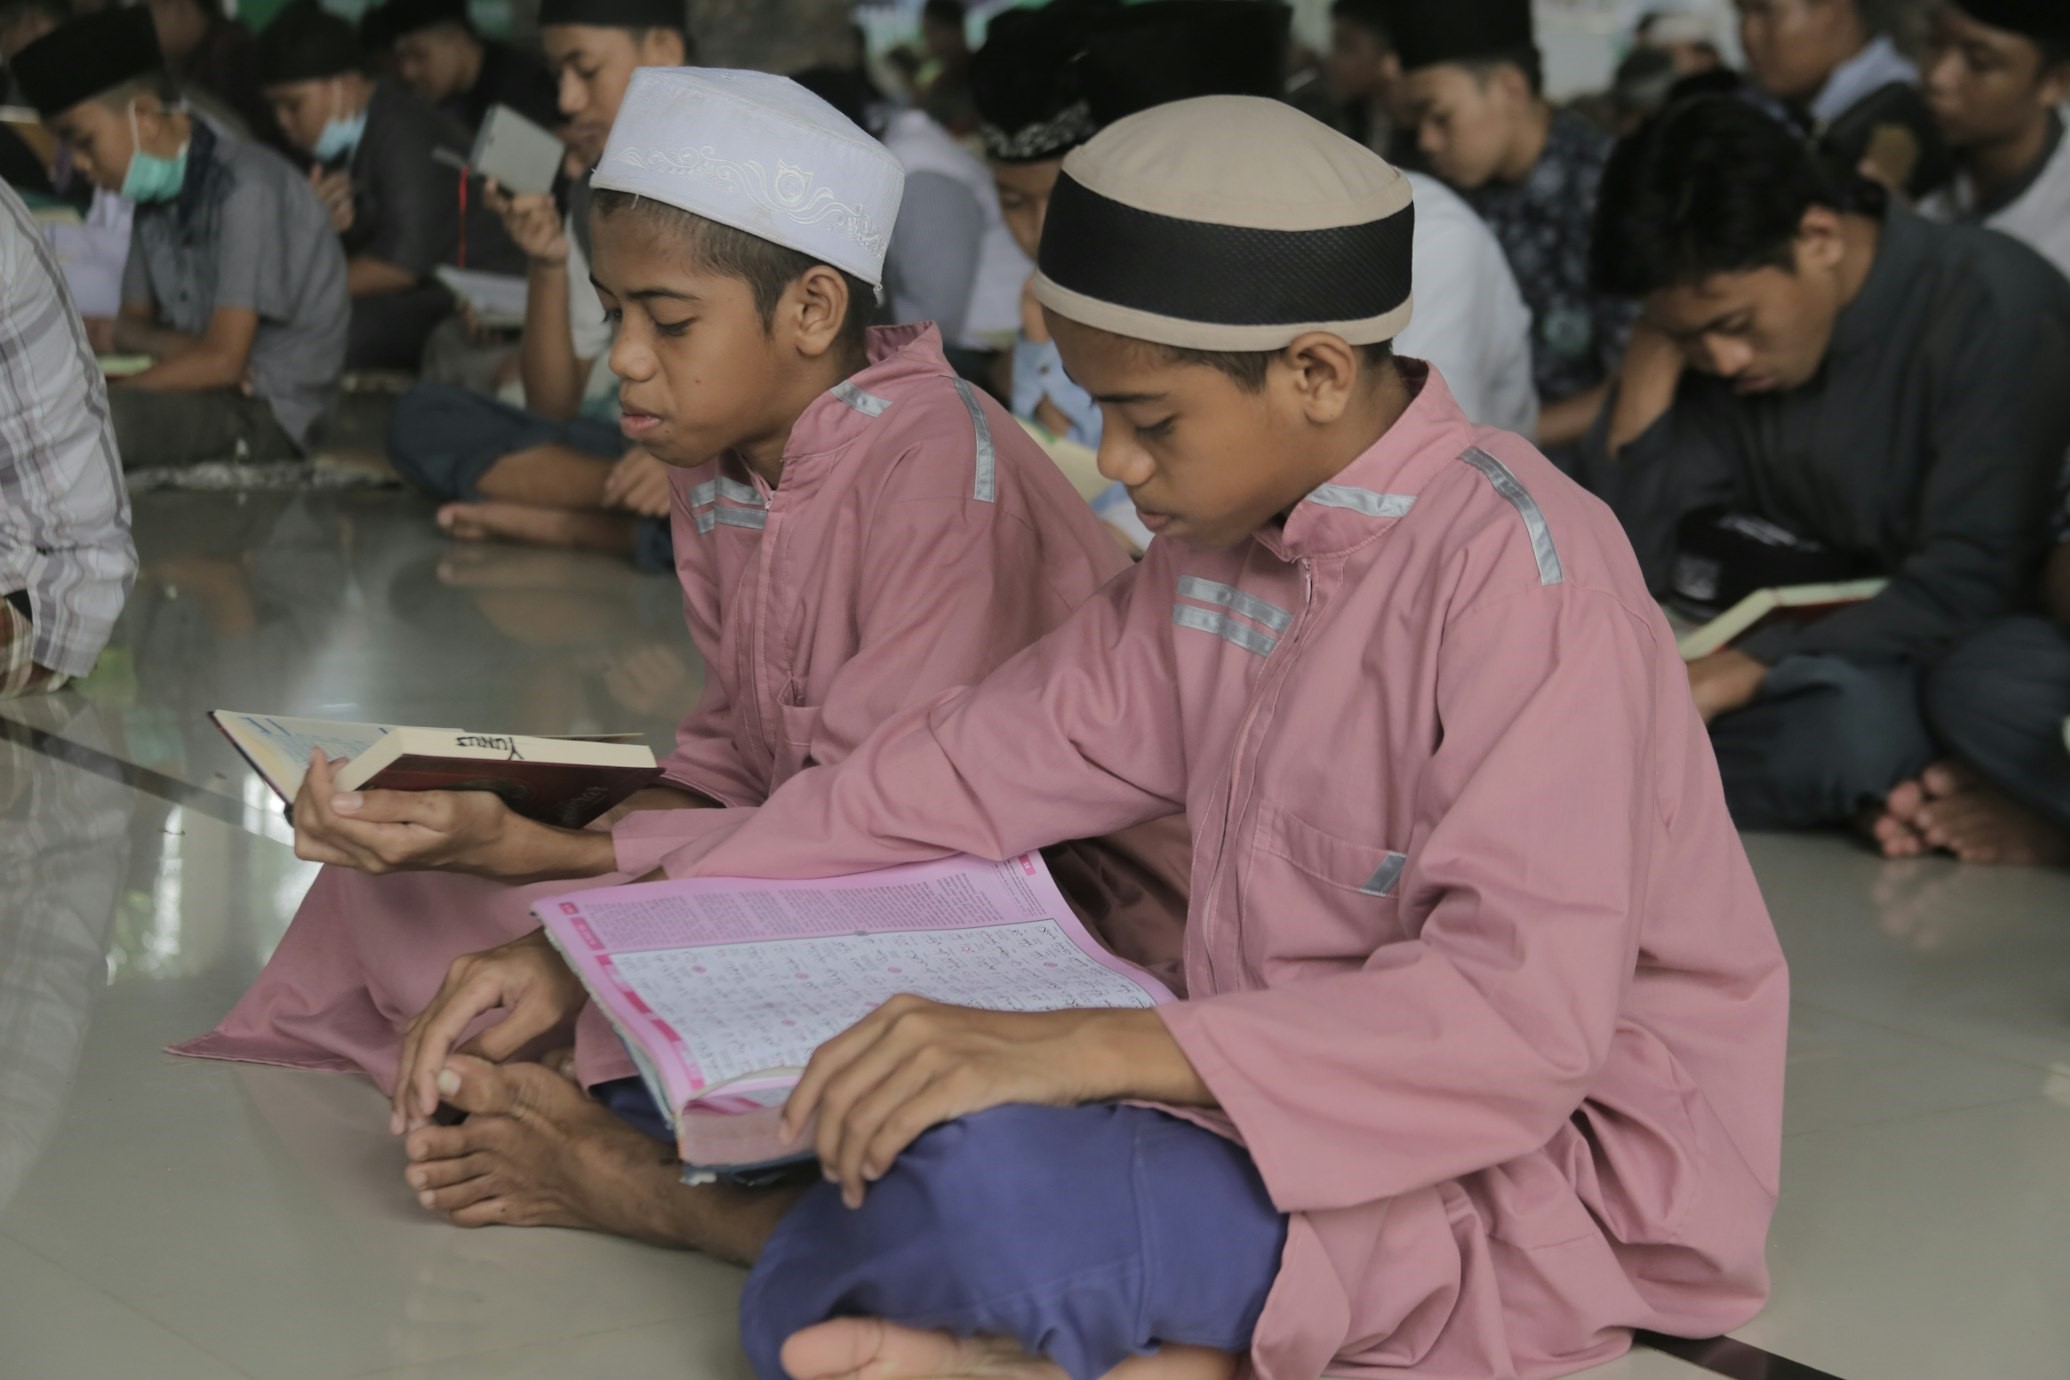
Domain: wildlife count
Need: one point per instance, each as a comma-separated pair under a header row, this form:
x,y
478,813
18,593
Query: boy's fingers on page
x,y
826,1062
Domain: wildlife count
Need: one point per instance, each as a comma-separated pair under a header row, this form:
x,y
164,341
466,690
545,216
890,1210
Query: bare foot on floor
x,y
1980,824
872,1349
518,522
1896,829
535,1151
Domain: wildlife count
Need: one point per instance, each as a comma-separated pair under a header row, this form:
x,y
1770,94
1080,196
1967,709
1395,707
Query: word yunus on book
x,y
722,987
563,781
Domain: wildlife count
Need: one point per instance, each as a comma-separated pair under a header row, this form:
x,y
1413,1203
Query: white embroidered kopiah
x,y
790,193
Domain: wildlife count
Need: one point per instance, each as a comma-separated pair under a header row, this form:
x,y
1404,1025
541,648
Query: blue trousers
x,y
443,439
1088,1234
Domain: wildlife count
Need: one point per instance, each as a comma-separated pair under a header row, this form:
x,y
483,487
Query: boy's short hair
x,y
307,43
948,13
1247,368
636,18
1709,186
1368,15
766,267
1527,60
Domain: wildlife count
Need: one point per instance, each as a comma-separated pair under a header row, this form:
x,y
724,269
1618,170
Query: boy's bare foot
x,y
872,1349
1895,829
534,1151
1980,824
518,522
1890,826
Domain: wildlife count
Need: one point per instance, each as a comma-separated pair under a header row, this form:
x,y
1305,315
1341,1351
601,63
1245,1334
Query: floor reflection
x,y
352,605
64,855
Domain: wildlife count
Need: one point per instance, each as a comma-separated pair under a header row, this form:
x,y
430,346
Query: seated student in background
x,y
1048,66
857,532
556,471
1999,704
1865,381
1480,1063
94,251
440,55
1474,80
399,206
235,284
206,49
1838,74
952,260
66,559
1997,74
1365,80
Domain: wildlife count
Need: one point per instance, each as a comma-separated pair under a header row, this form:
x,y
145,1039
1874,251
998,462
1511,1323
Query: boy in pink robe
x,y
1479,979
857,531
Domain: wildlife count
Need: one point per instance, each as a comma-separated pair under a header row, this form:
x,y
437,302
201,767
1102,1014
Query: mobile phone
x,y
521,157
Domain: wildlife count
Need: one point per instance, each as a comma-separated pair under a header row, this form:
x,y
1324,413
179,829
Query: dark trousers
x,y
161,430
443,439
1999,701
1826,736
389,329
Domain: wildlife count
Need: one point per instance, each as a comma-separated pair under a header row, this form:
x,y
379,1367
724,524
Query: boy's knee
x,y
978,1209
1978,686
434,440
1861,730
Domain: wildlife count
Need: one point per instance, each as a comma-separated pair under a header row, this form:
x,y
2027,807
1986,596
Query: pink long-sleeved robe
x,y
917,540
1478,969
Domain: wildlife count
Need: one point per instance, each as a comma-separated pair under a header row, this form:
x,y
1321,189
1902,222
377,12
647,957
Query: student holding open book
x,y
1834,374
857,531
1480,1065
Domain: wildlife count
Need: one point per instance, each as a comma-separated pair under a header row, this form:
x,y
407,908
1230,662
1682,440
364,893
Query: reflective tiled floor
x,y
173,1219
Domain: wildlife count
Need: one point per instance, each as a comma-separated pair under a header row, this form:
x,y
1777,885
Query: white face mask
x,y
341,133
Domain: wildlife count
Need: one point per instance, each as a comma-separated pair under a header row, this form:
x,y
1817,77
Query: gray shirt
x,y
247,232
1924,449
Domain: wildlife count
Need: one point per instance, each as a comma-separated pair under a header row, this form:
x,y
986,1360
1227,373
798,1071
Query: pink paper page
x,y
728,981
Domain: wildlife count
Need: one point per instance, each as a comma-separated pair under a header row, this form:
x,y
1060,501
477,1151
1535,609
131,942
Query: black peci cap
x,y
80,59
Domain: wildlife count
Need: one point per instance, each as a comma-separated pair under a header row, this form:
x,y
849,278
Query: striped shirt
x,y
64,513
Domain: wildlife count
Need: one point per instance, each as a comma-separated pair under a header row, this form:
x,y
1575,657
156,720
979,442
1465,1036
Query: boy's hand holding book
x,y
469,831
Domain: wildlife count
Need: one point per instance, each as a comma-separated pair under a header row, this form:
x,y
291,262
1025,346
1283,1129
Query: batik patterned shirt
x,y
1545,223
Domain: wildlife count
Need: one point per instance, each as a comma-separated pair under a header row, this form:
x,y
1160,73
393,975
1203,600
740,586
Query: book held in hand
x,y
1803,603
562,781
722,987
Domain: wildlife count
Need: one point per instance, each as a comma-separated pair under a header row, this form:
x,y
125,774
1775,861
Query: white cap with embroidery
x,y
759,153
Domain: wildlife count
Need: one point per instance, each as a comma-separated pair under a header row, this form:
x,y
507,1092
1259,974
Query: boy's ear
x,y
662,48
817,305
1323,371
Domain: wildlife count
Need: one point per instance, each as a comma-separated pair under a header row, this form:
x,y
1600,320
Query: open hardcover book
x,y
563,781
722,987
1801,602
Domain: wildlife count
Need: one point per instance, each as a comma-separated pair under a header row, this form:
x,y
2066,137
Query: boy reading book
x,y
1480,1065
857,531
